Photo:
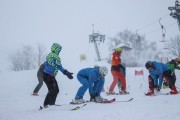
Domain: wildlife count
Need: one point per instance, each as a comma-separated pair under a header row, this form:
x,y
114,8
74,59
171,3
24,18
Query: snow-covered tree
x,y
41,55
141,49
26,58
174,46
23,59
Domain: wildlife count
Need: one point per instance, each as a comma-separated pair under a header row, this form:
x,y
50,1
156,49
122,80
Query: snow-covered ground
x,y
16,102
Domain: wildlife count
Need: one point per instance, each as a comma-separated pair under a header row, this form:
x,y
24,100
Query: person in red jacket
x,y
116,72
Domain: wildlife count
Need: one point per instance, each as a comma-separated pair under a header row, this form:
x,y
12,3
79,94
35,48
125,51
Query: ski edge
x,y
107,101
126,100
78,107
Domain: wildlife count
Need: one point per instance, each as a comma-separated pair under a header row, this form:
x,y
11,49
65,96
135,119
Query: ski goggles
x,y
150,69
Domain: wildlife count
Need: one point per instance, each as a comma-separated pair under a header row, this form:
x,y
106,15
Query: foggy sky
x,y
69,22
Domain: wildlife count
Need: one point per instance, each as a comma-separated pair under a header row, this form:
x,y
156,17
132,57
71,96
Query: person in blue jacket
x,y
92,79
156,70
51,67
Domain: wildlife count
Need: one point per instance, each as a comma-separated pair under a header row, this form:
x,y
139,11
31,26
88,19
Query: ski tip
x,y
131,99
40,107
84,104
57,105
71,103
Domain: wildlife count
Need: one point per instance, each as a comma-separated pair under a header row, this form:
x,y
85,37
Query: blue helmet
x,y
56,48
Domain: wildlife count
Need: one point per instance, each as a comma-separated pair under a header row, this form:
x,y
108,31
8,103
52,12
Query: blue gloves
x,y
68,74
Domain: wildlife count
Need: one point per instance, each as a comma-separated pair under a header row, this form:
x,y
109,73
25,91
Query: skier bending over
x,y
52,65
92,78
157,71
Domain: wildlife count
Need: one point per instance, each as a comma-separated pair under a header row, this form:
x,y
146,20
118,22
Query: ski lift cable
x,y
152,23
168,26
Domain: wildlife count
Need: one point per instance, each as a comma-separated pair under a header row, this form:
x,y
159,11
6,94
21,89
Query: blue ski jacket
x,y
93,76
157,73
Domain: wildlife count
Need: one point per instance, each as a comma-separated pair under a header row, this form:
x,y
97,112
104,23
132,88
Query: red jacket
x,y
116,59
116,62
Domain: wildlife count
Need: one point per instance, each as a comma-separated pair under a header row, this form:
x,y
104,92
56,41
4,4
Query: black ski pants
x,y
53,89
171,78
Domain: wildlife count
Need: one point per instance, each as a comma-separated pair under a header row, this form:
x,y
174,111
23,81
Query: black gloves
x,y
93,96
122,68
157,88
165,84
68,74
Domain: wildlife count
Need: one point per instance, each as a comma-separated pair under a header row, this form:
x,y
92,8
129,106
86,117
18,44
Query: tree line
x,y
27,58
142,50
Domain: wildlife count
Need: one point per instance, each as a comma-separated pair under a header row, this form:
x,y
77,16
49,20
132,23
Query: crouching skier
x,y
158,72
92,79
169,77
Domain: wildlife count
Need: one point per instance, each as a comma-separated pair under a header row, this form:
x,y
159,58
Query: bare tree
x,y
174,46
23,59
141,48
41,54
16,61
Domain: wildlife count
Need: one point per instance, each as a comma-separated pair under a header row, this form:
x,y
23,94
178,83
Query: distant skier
x,y
158,71
40,79
52,65
118,73
92,79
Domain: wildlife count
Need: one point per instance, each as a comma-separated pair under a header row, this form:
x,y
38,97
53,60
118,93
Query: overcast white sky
x,y
69,22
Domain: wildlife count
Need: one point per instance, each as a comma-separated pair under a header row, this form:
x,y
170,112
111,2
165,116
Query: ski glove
x,y
157,88
68,74
165,84
92,99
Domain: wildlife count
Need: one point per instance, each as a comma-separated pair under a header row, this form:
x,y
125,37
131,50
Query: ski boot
x,y
99,99
123,92
173,90
150,93
111,93
78,101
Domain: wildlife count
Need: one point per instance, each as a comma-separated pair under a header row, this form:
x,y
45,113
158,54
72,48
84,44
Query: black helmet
x,y
149,65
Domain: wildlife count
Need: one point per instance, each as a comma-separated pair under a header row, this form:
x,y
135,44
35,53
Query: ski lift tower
x,y
96,38
164,58
175,12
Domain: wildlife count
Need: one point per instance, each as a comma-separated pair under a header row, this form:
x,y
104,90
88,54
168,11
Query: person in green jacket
x,y
170,82
173,64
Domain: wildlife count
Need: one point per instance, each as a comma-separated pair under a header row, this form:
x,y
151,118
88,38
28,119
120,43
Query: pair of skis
x,y
72,109
84,104
161,93
104,102
107,93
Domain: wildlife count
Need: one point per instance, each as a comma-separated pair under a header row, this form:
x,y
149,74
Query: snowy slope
x,y
16,102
